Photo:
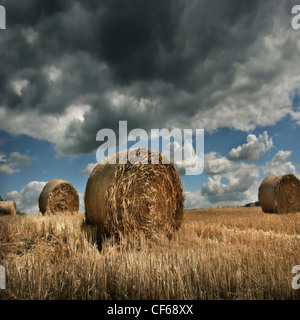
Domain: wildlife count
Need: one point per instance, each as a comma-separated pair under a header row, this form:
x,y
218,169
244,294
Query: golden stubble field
x,y
223,253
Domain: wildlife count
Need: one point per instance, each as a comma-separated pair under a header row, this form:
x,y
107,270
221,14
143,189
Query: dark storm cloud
x,y
153,63
132,34
30,12
166,40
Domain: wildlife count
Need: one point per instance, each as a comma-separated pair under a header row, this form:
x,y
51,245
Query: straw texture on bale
x,y
135,196
59,196
280,194
8,208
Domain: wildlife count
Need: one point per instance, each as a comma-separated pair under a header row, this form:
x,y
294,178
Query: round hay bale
x,y
8,208
124,199
280,194
59,196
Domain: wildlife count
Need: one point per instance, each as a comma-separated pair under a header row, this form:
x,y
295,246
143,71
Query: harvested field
x,y
223,253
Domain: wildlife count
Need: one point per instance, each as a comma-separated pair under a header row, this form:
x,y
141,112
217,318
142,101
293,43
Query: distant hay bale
x,y
59,196
280,194
8,208
129,198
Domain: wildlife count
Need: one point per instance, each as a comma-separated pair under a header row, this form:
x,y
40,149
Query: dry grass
x,y
224,253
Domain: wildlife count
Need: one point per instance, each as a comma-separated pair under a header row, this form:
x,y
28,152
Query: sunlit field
x,y
223,253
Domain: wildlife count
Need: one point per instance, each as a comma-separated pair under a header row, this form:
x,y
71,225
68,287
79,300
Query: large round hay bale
x,y
129,198
280,194
59,196
8,208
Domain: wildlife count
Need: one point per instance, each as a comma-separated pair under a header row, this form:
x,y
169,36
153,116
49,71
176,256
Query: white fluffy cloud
x,y
15,162
81,203
88,169
253,149
39,126
236,187
27,198
280,164
195,200
216,164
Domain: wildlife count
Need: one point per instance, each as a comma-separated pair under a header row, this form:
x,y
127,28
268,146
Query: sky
x,y
71,68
